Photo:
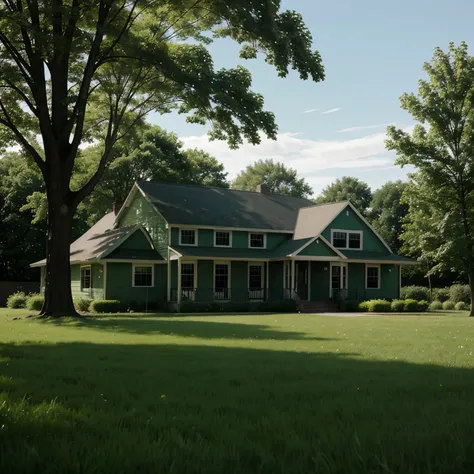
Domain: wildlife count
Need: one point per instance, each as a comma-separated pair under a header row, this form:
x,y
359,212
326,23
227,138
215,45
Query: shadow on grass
x,y
183,328
109,408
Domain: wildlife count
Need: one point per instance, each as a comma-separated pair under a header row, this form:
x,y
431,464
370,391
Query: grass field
x,y
237,394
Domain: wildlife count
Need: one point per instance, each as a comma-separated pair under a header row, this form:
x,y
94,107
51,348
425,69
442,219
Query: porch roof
x,y
364,255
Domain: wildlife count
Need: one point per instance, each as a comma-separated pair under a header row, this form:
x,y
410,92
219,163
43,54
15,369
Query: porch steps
x,y
317,307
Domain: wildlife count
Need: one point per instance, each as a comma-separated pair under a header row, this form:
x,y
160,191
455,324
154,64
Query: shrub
x,y
278,306
17,300
459,293
423,306
461,306
448,305
411,306
441,294
364,306
398,306
82,303
106,306
379,306
35,302
350,306
417,293
435,306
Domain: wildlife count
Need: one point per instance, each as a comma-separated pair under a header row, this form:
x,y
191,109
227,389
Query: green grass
x,y
237,394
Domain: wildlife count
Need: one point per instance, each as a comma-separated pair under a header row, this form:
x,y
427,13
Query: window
x,y
346,239
187,276
338,279
256,290
372,273
143,275
222,239
221,281
256,241
187,237
85,278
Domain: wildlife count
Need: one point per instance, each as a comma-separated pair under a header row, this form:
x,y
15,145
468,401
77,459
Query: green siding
x,y
318,249
144,213
174,274
119,284
239,281
389,283
97,282
353,222
275,282
319,281
205,282
137,241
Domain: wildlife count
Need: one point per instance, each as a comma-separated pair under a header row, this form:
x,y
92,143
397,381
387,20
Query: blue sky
x,y
373,51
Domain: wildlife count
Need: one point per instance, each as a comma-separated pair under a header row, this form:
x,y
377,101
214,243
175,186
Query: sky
x,y
372,51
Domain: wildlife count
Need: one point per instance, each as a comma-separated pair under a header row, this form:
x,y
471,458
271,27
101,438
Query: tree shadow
x,y
77,407
183,328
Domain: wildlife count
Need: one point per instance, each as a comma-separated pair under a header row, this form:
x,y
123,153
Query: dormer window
x,y
187,237
347,239
257,240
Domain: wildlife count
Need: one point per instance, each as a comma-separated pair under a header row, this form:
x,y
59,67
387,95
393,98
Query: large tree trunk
x,y
58,297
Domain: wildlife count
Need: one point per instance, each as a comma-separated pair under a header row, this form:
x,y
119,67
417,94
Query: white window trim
x,y
194,264
196,236
229,276
264,241
348,231
338,264
83,290
230,238
262,278
367,266
152,275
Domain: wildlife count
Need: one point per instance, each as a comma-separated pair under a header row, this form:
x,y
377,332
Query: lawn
x,y
237,394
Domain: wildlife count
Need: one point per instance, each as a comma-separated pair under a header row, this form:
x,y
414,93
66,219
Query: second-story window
x,y
187,237
256,240
222,239
347,239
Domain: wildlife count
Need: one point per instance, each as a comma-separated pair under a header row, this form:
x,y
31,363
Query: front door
x,y
302,280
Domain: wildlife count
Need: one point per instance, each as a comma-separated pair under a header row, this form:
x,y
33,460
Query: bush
x,y
411,306
35,302
398,306
106,306
278,306
17,300
458,293
350,306
461,306
82,304
423,306
418,293
448,305
379,306
364,306
435,306
441,294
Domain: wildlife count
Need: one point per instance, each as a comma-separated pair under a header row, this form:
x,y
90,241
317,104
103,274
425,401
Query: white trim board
x,y
222,231
230,229
152,275
264,240
196,237
347,232
379,275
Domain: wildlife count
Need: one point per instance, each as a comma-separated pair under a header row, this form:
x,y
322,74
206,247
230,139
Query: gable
x,y
136,241
349,220
318,249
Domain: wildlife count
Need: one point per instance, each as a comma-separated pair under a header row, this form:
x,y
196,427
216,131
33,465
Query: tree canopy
x,y
441,192
279,179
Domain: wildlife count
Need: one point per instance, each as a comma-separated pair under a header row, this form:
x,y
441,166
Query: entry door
x,y
302,280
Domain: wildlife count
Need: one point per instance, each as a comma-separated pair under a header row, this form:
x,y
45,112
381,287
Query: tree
x,y
387,212
278,178
441,148
74,71
347,189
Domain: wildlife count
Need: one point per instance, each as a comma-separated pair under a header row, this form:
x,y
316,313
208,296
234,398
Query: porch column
x,y
168,286
179,280
309,280
293,276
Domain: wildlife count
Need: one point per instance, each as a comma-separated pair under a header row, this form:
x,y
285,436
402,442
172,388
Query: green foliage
x,y
82,303
17,300
459,293
278,306
364,306
461,306
278,178
105,306
435,306
448,305
379,306
411,306
398,306
417,293
349,306
441,294
35,302
347,189
423,306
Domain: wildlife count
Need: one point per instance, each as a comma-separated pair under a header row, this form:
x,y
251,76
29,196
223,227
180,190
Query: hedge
x,y
17,300
411,306
82,303
279,306
398,306
461,306
364,306
418,293
379,306
35,302
106,306
448,305
423,306
441,294
435,306
458,293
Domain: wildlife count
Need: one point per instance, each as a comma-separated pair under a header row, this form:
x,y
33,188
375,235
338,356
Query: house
x,y
173,242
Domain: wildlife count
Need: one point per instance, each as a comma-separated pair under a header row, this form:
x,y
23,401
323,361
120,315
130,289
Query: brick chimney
x,y
263,188
117,206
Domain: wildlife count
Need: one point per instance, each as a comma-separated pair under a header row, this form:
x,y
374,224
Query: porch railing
x,y
219,294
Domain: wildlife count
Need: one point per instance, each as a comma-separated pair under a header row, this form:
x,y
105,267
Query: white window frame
x,y
196,236
229,276
341,265
379,271
348,231
264,240
84,267
262,279
134,265
223,231
195,277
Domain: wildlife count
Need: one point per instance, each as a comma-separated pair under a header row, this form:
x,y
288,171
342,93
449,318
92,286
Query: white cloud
x,y
331,111
364,127
310,111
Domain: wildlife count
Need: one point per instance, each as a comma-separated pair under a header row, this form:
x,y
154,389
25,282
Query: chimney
x,y
263,189
117,206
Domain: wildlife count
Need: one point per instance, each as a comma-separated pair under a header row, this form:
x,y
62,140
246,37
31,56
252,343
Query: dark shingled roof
x,y
182,204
